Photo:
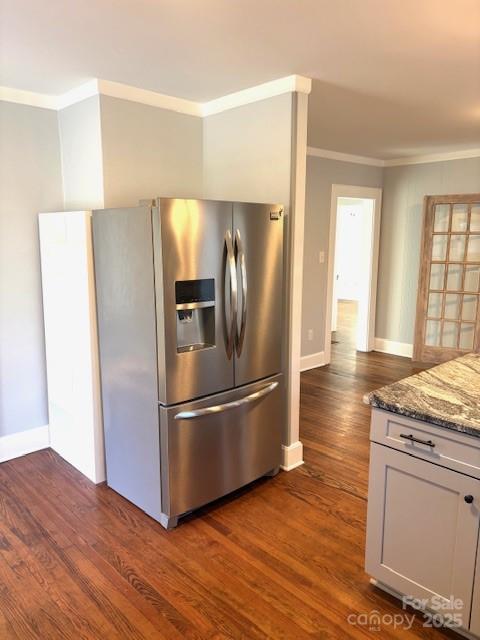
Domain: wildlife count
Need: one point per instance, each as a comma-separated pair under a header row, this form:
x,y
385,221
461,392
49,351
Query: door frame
x,y
352,191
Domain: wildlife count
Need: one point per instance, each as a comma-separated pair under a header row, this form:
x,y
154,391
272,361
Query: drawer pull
x,y
206,411
468,499
411,438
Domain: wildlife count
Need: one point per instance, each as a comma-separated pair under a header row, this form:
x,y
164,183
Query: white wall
x,y
349,248
74,405
149,152
30,181
81,147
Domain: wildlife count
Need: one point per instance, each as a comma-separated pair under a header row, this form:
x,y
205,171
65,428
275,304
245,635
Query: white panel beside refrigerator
x,y
74,403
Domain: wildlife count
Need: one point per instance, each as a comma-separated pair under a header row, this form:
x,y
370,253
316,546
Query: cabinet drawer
x,y
452,449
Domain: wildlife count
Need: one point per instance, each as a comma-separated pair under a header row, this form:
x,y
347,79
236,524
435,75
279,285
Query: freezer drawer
x,y
213,446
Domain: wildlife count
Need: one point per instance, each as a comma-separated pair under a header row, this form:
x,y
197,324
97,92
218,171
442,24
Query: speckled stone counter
x,y
447,395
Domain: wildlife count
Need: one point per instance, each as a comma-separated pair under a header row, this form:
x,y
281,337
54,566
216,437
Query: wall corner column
x,y
292,449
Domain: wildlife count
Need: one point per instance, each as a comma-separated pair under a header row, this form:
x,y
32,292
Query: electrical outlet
x,y
310,334
321,257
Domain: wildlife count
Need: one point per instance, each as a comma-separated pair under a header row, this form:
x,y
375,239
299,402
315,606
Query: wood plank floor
x,y
283,559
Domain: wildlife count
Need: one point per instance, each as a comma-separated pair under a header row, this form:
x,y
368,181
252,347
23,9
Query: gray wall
x,y
321,174
148,152
404,188
81,147
403,191
247,152
30,181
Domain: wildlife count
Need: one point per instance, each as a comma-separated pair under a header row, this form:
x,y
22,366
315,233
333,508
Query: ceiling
x,y
391,77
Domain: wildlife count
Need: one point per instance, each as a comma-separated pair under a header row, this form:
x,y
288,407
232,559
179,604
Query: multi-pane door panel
x,y
449,289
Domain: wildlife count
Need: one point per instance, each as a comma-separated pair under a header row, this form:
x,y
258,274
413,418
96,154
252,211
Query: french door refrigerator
x,y
189,305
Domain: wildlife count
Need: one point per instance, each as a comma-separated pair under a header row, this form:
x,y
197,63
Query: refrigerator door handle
x,y
243,272
252,397
232,268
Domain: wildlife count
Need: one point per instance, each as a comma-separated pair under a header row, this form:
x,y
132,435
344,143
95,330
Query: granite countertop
x,y
447,395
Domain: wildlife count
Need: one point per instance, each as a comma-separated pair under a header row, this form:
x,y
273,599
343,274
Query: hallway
x,y
344,338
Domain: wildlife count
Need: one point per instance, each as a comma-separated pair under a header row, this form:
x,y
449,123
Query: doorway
x,y
352,268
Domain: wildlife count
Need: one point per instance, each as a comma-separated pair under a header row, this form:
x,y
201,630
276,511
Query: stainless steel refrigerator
x,y
189,305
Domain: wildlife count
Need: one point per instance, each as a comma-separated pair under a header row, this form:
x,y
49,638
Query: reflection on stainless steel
x,y
232,267
263,248
189,240
252,397
183,222
195,347
124,282
243,273
184,306
217,453
198,411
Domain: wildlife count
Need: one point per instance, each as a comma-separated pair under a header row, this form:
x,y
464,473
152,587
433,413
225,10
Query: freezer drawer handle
x,y
243,273
232,268
252,397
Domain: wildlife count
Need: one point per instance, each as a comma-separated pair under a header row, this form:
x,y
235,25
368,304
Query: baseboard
x,y
19,444
292,456
395,348
396,594
312,361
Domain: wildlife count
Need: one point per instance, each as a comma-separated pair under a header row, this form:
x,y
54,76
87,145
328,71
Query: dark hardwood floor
x,y
282,559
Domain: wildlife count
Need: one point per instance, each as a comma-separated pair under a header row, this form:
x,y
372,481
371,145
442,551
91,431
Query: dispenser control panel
x,y
190,291
195,308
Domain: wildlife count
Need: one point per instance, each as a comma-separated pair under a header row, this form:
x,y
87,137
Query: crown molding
x,y
151,98
434,157
288,84
82,92
396,162
30,98
344,157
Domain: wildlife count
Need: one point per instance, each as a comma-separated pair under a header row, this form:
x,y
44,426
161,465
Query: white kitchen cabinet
x,y
422,534
475,619
74,406
424,518
452,449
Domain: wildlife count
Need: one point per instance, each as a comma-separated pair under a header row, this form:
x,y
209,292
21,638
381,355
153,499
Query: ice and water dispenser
x,y
195,308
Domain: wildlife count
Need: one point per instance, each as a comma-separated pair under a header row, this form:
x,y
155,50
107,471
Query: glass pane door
x,y
447,323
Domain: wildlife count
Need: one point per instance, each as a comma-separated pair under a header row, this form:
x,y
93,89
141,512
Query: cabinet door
x,y
475,619
421,533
